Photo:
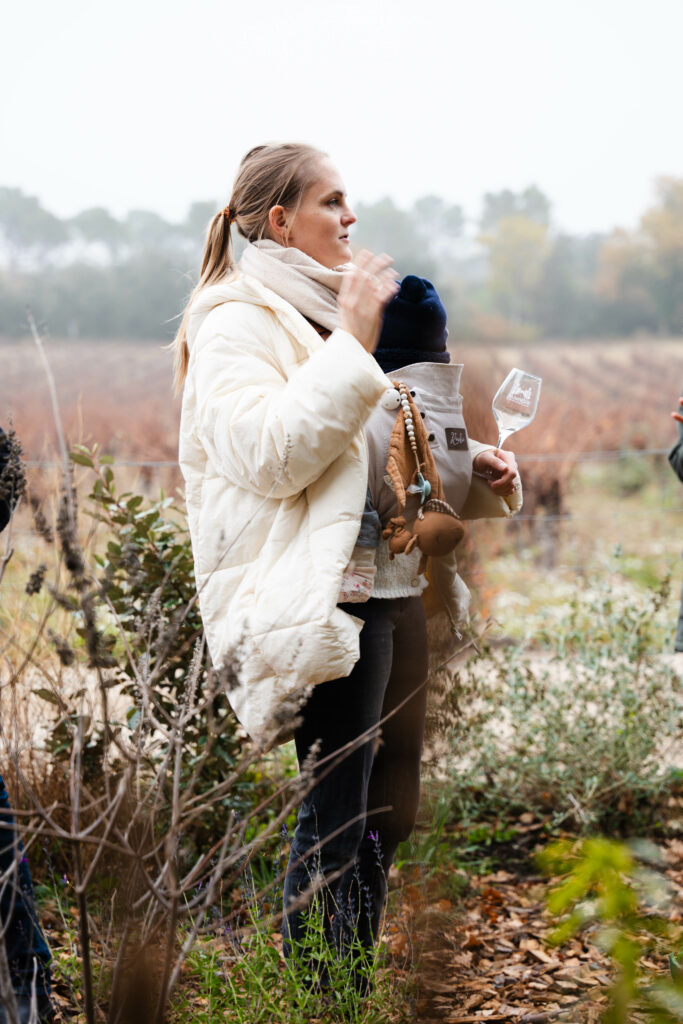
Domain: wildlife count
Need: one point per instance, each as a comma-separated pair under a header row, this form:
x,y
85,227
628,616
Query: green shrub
x,y
581,729
142,618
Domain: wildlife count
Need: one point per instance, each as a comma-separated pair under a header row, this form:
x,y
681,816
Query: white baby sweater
x,y
397,577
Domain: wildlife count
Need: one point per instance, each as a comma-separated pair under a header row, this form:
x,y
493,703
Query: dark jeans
x,y
345,801
24,939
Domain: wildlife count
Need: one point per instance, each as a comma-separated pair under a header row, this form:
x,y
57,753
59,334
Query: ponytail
x,y
217,262
268,176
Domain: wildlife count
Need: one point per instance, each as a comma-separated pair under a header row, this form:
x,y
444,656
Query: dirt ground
x,y
487,957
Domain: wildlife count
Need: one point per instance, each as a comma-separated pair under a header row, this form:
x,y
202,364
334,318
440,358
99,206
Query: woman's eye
x,y
333,202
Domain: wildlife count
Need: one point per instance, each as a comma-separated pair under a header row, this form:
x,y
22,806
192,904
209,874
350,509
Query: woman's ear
x,y
277,219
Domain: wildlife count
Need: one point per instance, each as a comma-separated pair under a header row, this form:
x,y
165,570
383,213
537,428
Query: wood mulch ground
x,y
488,957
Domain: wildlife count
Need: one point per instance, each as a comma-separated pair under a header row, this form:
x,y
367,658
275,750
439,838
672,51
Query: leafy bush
x,y
629,475
583,730
137,617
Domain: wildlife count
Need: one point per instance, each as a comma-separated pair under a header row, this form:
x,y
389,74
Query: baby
x,y
412,349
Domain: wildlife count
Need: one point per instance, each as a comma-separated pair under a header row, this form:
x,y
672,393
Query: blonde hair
x,y
273,175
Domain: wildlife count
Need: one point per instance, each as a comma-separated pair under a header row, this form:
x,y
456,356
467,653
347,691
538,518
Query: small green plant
x,y
243,977
65,968
428,847
611,888
629,476
438,850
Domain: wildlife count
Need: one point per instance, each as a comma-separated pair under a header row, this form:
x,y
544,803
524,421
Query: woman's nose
x,y
350,217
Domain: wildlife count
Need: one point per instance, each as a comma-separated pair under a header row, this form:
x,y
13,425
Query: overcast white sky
x,y
151,103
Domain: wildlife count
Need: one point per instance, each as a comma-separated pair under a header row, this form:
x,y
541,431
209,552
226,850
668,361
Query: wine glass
x,y
515,403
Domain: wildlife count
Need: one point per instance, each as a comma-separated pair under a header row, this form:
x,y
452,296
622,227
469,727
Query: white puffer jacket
x,y
275,465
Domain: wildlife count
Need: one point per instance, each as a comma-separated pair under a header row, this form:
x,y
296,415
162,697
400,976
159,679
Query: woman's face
x,y
320,226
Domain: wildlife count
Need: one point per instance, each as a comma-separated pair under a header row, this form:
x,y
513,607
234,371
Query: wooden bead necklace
x,y
424,486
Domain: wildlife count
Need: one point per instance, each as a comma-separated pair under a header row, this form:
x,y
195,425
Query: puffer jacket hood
x,y
234,287
275,464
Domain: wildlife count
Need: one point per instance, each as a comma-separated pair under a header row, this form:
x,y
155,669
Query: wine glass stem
x,y
503,436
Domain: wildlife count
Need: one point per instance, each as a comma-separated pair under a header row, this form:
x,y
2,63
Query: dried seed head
x,y
40,523
65,652
35,580
68,538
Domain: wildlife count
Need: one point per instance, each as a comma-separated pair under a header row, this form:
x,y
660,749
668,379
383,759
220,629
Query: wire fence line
x,y
565,517
591,456
134,463
670,567
606,455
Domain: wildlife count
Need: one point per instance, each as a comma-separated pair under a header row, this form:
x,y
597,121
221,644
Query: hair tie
x,y
229,213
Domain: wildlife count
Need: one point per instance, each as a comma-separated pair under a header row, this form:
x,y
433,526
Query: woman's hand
x,y
365,291
500,467
677,415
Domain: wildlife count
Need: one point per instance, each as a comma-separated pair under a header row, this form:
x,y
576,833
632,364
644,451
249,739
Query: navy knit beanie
x,y
414,328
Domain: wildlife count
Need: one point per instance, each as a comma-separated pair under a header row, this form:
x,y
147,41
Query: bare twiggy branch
x,y
52,387
83,923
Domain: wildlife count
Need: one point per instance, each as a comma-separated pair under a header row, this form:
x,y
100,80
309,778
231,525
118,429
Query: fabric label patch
x,y
456,439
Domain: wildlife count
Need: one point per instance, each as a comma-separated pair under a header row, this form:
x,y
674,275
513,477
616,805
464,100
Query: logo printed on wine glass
x,y
521,395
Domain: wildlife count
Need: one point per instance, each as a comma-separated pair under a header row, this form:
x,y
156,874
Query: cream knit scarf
x,y
311,288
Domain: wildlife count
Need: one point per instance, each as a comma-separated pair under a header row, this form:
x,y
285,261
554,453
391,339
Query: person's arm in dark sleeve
x,y
4,461
676,453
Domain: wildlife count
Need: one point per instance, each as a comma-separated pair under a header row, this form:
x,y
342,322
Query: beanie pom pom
x,y
413,289
414,328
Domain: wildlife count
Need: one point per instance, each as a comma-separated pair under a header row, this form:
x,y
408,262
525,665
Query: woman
x,y
279,378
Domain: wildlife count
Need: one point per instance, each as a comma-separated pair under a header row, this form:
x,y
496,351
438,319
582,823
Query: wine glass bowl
x,y
515,403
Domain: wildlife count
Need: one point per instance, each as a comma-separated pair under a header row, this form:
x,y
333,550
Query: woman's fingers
x,y
375,268
373,263
367,287
500,467
386,287
505,480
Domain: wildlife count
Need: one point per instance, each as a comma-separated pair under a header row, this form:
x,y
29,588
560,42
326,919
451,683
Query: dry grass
x,y
118,394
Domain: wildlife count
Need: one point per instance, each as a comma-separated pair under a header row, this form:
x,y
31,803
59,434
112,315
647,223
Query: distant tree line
x,y
509,275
